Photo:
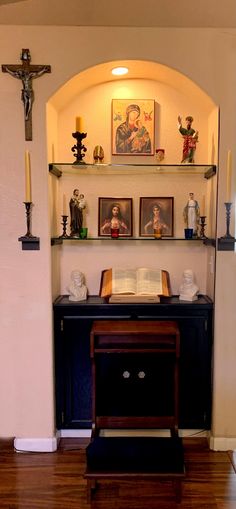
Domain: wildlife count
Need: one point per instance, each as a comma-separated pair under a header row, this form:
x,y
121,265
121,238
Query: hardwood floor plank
x,y
55,481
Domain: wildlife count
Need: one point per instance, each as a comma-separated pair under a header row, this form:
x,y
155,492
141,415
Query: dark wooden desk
x,y
72,325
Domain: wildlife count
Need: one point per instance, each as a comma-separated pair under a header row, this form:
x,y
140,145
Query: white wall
x,y
26,376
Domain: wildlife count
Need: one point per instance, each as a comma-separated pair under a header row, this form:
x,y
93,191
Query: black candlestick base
x,y
64,226
202,227
79,148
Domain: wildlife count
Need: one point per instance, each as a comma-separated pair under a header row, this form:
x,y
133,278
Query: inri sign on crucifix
x,y
26,73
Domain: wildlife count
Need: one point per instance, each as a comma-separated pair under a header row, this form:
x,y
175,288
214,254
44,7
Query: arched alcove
x,y
89,95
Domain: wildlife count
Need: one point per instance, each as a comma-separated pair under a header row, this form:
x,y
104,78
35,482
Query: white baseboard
x,y
74,433
50,444
86,433
35,444
222,444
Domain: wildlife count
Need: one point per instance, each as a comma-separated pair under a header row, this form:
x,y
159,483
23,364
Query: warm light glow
x,y
119,71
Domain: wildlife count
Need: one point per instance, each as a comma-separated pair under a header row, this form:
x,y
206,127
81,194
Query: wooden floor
x,y
55,481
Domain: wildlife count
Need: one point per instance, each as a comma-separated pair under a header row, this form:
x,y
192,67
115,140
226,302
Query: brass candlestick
x,y
79,147
202,227
228,206
64,226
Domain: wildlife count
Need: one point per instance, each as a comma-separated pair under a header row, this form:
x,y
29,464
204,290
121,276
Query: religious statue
x,y
77,289
191,214
26,73
188,289
77,204
98,154
190,137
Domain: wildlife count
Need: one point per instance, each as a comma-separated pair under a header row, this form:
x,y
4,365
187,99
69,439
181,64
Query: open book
x,y
134,285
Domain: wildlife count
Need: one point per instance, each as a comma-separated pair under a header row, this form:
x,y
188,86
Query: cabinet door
x,y
133,384
76,400
195,373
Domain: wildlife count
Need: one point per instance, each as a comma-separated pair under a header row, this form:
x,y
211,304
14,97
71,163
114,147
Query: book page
x,y
149,281
123,280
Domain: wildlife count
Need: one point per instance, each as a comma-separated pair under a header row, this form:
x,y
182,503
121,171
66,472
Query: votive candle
x,y
28,197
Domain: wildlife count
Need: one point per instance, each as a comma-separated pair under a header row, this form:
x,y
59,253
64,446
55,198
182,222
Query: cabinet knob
x,y
126,374
141,374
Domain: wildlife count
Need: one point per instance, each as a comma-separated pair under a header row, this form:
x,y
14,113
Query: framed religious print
x,y
133,126
115,217
156,216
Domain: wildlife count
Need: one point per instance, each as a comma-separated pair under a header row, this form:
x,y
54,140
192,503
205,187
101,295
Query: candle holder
x,y
227,242
64,226
79,148
228,206
29,241
115,233
202,227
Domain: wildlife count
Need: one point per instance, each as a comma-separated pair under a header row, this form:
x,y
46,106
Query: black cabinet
x,y
72,324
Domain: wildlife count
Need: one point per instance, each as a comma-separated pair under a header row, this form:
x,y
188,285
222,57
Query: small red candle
x,y
115,233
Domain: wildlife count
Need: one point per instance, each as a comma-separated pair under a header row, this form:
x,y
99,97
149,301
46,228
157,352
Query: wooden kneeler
x,y
119,350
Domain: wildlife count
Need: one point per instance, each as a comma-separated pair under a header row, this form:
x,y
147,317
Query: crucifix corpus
x,y
26,73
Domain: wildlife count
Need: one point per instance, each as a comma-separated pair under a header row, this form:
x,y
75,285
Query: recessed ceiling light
x,y
118,71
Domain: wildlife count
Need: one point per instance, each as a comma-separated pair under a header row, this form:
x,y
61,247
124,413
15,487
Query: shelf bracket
x,y
226,244
30,243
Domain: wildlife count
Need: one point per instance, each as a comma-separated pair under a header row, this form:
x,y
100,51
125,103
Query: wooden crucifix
x,y
26,73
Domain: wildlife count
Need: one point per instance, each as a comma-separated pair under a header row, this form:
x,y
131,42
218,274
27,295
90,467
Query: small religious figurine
x,y
77,204
160,154
188,289
190,137
77,289
98,154
191,214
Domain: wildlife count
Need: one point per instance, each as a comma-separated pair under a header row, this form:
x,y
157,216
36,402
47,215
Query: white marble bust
x,y
188,289
77,289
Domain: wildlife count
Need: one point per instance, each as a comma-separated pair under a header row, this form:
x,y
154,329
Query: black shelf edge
x,y
30,243
209,242
226,244
60,240
210,173
56,241
54,170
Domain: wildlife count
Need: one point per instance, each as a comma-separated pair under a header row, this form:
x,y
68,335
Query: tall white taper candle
x,y
28,197
78,124
203,206
229,176
64,205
